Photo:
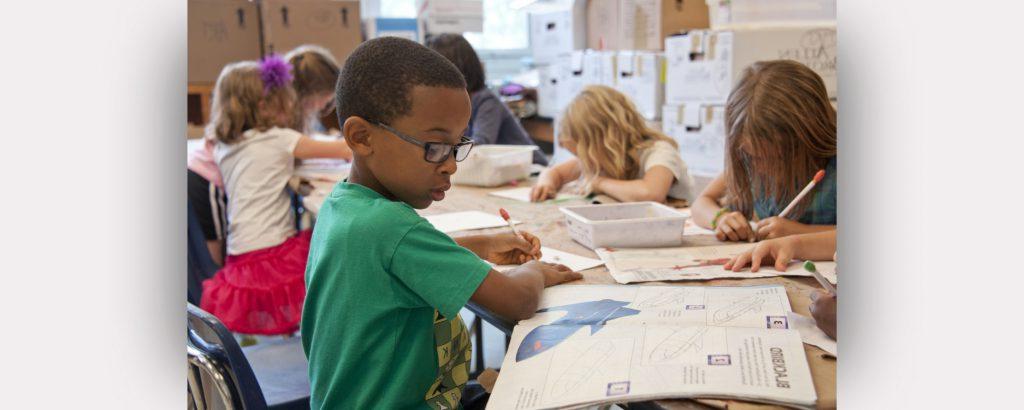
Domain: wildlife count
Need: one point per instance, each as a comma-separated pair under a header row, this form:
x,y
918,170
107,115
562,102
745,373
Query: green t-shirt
x,y
380,323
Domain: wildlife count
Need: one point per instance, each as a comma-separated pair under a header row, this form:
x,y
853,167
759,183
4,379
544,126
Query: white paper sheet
x,y
322,169
693,263
466,220
523,195
810,333
599,344
549,255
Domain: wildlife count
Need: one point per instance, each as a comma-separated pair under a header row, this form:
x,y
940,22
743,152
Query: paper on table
x,y
324,169
597,344
466,220
573,261
810,333
523,195
693,263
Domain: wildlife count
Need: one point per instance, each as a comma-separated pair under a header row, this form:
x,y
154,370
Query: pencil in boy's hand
x,y
809,266
507,218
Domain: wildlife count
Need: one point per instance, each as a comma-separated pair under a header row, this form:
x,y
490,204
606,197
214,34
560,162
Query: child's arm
x,y
552,179
515,295
653,187
311,148
775,227
729,225
816,246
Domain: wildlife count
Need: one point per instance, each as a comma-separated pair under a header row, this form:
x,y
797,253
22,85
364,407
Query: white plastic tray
x,y
494,165
627,225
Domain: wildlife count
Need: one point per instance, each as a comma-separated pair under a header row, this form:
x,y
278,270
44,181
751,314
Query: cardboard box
x,y
703,65
333,24
220,32
555,34
730,13
700,132
641,24
406,28
450,16
641,77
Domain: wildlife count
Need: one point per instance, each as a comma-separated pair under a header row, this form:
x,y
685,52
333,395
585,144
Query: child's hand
x,y
546,188
553,273
733,226
776,227
780,251
824,312
510,249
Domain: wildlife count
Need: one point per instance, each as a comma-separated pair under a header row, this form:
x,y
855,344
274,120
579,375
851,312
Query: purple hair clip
x,y
275,72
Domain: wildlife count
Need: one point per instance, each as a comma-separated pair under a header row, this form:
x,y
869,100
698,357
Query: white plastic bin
x,y
493,165
628,225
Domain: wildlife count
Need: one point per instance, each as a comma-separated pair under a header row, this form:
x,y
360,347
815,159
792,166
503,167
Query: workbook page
x,y
619,344
693,263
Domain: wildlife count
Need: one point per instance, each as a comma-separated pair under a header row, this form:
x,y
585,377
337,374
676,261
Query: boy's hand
x,y
553,273
780,251
824,312
733,226
509,249
776,227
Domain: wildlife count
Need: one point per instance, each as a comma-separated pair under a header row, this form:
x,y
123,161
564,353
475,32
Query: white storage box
x,y
703,65
728,13
640,77
493,165
628,225
700,131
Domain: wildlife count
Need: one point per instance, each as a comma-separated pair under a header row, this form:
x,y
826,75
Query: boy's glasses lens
x,y
462,151
438,152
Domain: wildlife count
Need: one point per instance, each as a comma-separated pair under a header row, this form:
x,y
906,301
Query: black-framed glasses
x,y
435,152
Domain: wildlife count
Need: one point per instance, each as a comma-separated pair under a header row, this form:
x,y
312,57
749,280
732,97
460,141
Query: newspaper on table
x,y
693,263
610,344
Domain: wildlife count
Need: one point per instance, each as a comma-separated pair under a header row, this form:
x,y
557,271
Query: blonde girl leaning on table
x,y
780,130
617,153
260,289
781,251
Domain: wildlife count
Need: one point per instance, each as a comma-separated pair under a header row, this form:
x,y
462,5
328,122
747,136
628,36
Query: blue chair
x,y
269,375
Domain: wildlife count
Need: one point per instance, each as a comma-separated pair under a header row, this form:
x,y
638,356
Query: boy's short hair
x,y
378,77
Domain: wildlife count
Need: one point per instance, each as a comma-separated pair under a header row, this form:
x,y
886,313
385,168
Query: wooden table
x,y
548,223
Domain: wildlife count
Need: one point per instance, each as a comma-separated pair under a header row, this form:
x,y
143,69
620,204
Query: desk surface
x,y
548,223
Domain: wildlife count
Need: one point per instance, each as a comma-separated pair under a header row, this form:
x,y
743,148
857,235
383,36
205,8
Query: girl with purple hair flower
x,y
261,287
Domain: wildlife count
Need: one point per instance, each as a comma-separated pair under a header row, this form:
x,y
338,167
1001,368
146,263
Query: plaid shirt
x,y
823,206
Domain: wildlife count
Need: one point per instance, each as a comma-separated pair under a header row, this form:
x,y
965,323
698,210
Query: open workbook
x,y
610,344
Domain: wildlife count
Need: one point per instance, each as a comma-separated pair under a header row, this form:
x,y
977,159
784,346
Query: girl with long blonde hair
x,y
617,153
780,130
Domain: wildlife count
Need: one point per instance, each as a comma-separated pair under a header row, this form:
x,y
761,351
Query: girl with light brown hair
x,y
780,130
261,287
316,71
617,153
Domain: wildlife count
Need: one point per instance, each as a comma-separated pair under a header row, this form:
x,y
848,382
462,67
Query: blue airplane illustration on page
x,y
578,315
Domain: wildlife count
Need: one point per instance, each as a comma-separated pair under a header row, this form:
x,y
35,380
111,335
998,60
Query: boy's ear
x,y
357,132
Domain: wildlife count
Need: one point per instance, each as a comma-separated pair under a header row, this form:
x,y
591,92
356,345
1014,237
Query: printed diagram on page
x,y
593,344
692,263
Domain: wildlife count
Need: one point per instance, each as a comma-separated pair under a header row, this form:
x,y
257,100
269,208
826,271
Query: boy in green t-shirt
x,y
380,323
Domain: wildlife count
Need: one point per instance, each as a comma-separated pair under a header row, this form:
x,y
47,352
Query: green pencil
x,y
809,266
